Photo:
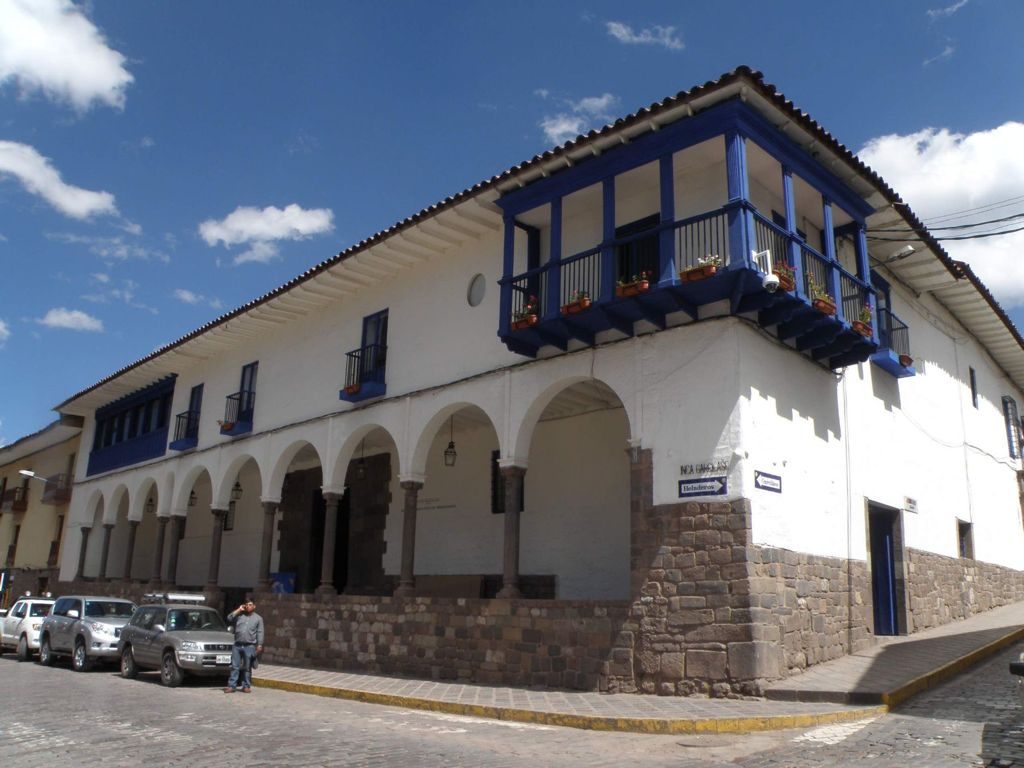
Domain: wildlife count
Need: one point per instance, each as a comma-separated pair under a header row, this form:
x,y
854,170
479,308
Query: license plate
x,y
223,658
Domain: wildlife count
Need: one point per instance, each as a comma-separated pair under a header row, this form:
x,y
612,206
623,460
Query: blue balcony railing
x,y
186,431
365,370
597,289
893,355
150,445
238,413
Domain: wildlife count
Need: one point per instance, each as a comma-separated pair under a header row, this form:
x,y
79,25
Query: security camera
x,y
770,282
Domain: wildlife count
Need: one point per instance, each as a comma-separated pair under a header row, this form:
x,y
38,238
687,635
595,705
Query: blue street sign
x,y
766,482
703,486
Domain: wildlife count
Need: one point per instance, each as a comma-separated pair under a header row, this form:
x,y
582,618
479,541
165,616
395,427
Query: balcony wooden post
x,y
133,529
796,257
835,285
740,219
331,501
864,271
513,479
407,579
508,265
553,300
158,551
172,555
213,571
82,547
266,542
609,269
666,238
105,552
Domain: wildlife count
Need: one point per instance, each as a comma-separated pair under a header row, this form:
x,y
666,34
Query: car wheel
x,y
128,667
170,673
45,652
80,660
23,652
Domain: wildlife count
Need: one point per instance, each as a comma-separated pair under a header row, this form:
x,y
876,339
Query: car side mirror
x,y
159,628
73,614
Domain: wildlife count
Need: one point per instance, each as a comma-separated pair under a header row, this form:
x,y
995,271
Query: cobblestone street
x,y
60,718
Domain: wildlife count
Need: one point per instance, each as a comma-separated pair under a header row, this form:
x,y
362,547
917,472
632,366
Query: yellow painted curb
x,y
653,725
896,697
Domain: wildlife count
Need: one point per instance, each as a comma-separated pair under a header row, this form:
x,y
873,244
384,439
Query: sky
x,y
164,163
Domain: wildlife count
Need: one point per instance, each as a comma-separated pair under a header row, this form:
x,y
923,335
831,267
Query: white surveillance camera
x,y
770,282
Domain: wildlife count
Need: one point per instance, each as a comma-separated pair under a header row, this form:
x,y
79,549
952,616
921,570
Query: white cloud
x,y
5,333
562,127
260,228
50,46
3,239
947,53
186,296
111,249
39,177
70,319
101,277
656,35
558,129
949,10
258,253
940,172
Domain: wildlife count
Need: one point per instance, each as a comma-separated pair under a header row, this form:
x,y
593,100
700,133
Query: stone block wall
x,y
557,644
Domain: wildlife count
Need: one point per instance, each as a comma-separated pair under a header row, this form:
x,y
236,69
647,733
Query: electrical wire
x,y
977,236
957,226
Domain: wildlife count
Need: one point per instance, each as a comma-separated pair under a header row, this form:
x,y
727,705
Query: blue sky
x,y
163,163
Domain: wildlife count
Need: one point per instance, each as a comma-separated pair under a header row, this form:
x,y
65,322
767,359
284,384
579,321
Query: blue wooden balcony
x,y
365,370
150,445
238,413
186,431
893,355
682,265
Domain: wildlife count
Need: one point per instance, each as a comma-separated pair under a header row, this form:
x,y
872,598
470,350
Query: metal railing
x,y
239,406
186,426
580,276
701,237
771,238
529,291
57,490
51,558
14,499
366,364
893,333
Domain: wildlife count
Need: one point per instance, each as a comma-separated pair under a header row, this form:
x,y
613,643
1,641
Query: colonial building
x,y
686,404
35,489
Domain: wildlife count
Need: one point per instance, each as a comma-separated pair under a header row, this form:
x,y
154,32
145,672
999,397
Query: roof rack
x,y
173,597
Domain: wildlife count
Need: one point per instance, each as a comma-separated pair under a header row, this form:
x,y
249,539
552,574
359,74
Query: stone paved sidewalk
x,y
851,688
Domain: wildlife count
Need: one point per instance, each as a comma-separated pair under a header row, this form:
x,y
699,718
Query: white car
x,y
20,627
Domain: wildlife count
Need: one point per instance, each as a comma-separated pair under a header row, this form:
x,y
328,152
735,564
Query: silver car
x,y
20,627
177,638
85,628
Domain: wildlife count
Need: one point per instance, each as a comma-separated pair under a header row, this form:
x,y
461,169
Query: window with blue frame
x,y
133,428
375,347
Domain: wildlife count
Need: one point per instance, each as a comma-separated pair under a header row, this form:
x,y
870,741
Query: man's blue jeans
x,y
241,662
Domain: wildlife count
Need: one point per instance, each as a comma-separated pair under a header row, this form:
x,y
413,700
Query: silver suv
x,y
84,628
177,635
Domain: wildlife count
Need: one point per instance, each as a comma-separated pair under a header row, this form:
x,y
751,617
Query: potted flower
x,y
862,324
821,300
787,277
527,316
906,361
706,266
578,301
352,389
226,426
639,284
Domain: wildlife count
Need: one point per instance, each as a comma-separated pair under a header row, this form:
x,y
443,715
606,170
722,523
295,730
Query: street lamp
x,y
449,453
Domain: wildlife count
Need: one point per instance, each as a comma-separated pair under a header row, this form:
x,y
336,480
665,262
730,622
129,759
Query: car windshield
x,y
39,609
184,620
98,609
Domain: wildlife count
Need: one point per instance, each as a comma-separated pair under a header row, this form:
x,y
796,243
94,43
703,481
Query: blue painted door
x,y
883,572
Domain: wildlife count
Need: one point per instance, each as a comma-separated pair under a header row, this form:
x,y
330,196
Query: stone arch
x,y
110,511
143,490
523,432
188,481
224,484
418,460
348,450
272,485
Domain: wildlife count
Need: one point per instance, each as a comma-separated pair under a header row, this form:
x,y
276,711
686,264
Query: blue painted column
x,y
553,299
666,238
834,286
864,271
740,223
508,264
608,265
795,256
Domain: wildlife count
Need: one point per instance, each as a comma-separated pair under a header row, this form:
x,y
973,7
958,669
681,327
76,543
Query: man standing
x,y
248,628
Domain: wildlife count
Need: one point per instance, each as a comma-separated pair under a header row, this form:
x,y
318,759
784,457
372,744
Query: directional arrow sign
x,y
766,482
703,486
